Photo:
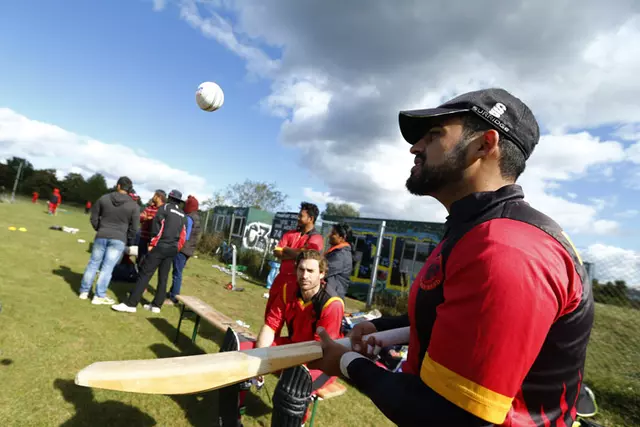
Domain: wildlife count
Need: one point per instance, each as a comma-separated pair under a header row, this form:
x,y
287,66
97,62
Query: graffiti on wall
x,y
257,237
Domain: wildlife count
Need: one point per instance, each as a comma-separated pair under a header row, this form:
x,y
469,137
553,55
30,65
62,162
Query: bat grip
x,y
388,338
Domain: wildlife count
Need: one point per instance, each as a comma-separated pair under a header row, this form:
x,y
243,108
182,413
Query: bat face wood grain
x,y
193,374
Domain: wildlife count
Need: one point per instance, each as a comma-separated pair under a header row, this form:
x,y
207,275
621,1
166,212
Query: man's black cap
x,y
503,111
176,195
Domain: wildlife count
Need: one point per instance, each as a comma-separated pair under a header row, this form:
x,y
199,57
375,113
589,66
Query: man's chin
x,y
416,187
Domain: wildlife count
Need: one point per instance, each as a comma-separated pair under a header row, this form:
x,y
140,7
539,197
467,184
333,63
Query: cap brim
x,y
415,123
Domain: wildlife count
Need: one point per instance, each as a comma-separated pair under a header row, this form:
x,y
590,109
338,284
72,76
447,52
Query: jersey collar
x,y
475,204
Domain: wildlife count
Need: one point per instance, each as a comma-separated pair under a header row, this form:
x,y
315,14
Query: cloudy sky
x,y
312,91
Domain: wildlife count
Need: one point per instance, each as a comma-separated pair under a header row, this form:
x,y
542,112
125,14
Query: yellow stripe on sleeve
x,y
466,394
332,299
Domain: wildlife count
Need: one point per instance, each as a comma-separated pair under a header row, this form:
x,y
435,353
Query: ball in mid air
x,y
209,96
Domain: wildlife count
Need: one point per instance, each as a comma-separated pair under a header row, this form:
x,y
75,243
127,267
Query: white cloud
x,y
159,5
572,195
629,213
49,146
628,132
605,226
613,263
319,197
338,91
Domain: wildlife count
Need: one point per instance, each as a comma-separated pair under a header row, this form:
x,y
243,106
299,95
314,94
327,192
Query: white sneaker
x,y
103,300
123,308
84,295
151,308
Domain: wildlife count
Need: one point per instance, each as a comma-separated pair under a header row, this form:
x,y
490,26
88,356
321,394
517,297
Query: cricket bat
x,y
194,374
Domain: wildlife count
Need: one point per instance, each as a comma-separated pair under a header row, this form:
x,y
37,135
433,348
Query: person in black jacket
x,y
180,261
168,232
340,259
115,218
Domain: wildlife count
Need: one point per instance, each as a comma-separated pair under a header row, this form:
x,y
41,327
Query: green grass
x,y
47,334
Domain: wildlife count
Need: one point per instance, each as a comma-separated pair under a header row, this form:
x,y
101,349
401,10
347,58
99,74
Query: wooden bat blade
x,y
193,374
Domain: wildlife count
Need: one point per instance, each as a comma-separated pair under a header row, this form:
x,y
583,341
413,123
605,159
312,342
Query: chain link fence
x,y
613,359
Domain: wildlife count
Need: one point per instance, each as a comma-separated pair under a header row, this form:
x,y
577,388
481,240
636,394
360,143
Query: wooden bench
x,y
204,311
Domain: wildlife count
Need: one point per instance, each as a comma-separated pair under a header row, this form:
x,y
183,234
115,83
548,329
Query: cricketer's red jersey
x,y
295,240
502,332
300,316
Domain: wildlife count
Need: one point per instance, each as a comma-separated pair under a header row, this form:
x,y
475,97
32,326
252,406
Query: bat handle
x,y
388,338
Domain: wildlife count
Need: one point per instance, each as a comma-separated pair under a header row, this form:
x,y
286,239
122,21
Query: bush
x,y
252,259
209,243
392,303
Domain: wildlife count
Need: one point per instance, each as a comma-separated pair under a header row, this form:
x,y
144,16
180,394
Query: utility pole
x,y
376,262
15,183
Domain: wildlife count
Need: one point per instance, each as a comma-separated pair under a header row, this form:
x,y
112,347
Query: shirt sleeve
x,y
331,318
189,227
284,241
315,242
274,318
406,400
506,283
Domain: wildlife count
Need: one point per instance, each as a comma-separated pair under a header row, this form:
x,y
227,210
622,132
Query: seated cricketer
x,y
302,307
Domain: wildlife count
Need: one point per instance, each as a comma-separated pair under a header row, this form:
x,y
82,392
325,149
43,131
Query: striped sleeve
x,y
499,304
331,318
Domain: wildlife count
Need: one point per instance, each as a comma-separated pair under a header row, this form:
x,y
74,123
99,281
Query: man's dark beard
x,y
431,179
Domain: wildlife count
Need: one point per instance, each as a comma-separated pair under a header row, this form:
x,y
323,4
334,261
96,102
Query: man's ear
x,y
488,143
322,275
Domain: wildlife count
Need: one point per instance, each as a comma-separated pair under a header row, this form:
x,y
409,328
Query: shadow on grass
x,y
624,403
92,413
201,409
184,343
186,346
73,279
6,362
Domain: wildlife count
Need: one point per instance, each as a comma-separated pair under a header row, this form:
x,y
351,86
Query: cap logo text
x,y
491,118
498,110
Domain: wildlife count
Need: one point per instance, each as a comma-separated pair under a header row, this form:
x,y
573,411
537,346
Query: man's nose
x,y
418,147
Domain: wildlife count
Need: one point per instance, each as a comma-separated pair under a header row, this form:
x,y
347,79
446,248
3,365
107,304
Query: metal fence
x,y
613,359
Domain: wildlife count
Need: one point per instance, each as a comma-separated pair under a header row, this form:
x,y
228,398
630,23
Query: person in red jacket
x,y
54,201
146,219
87,207
34,198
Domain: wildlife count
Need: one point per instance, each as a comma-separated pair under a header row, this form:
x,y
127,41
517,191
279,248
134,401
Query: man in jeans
x,y
115,217
180,261
168,233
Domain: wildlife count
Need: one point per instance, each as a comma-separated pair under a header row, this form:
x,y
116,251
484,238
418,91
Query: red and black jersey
x,y
500,317
169,227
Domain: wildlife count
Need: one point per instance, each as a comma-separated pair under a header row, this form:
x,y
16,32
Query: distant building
x,y
405,248
591,270
250,228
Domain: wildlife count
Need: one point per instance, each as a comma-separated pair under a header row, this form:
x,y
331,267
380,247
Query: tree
x,y
255,194
43,181
341,209
9,171
96,187
217,199
74,188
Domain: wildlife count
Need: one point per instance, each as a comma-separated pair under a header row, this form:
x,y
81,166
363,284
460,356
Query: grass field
x,y
47,334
